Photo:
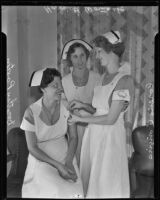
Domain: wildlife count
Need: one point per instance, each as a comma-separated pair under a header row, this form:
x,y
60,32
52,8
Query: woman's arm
x,y
75,104
125,83
72,142
115,109
89,108
109,119
42,156
72,146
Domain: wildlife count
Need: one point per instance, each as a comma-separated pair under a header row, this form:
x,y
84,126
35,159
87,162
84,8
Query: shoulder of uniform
x,y
126,79
94,74
66,76
125,82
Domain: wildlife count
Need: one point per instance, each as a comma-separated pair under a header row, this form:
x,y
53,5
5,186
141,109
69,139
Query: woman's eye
x,y
54,86
83,56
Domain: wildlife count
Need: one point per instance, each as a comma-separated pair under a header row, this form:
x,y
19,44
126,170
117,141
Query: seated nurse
x,y
52,170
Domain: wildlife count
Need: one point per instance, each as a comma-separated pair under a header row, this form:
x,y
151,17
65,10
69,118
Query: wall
x,y
31,45
9,27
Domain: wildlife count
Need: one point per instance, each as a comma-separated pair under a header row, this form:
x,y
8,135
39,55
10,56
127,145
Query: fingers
x,y
74,104
77,113
75,118
71,103
59,91
70,120
73,177
66,175
71,171
125,105
69,176
71,106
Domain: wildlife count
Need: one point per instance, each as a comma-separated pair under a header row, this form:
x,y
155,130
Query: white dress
x,y
104,165
41,179
83,94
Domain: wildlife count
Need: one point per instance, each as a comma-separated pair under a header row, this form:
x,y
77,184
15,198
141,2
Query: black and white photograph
x,y
80,101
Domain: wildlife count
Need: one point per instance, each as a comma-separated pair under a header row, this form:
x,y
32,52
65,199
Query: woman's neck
x,y
80,77
50,104
113,68
79,72
51,109
112,71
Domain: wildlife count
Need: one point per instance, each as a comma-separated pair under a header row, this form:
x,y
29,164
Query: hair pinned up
x,y
110,41
43,77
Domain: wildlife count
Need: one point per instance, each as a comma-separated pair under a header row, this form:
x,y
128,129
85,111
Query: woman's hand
x,y
125,105
75,104
66,173
74,118
59,91
70,167
71,119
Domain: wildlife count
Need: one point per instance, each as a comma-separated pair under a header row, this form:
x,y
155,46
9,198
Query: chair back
x,y
17,146
143,144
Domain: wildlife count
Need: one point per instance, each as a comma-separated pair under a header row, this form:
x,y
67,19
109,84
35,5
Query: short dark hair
x,y
48,77
101,41
72,50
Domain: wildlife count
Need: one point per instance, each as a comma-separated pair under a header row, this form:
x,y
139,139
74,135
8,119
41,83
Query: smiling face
x,y
52,89
78,58
102,55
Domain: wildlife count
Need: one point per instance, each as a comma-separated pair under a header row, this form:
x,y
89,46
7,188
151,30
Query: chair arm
x,y
132,177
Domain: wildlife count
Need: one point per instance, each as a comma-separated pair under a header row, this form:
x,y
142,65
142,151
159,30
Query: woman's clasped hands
x,y
67,172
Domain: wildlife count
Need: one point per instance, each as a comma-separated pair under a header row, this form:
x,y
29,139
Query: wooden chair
x,y
18,155
141,164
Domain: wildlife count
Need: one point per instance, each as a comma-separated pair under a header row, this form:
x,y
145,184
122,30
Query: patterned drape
x,y
138,25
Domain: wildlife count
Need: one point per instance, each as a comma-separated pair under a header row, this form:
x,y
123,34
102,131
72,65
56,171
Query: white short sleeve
x,y
28,121
26,126
121,95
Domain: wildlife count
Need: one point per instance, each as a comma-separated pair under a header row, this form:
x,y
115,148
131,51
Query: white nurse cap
x,y
36,77
113,37
69,43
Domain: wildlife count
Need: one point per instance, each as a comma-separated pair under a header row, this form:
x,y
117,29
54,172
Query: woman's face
x,y
102,55
52,90
78,58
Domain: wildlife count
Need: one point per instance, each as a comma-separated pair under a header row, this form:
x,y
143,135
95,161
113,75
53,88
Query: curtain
x,y
138,25
35,38
31,45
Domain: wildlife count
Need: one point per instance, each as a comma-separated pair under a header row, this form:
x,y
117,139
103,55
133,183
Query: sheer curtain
x,y
31,45
35,38
138,25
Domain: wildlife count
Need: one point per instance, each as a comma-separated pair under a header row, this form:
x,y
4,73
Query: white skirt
x,y
43,180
